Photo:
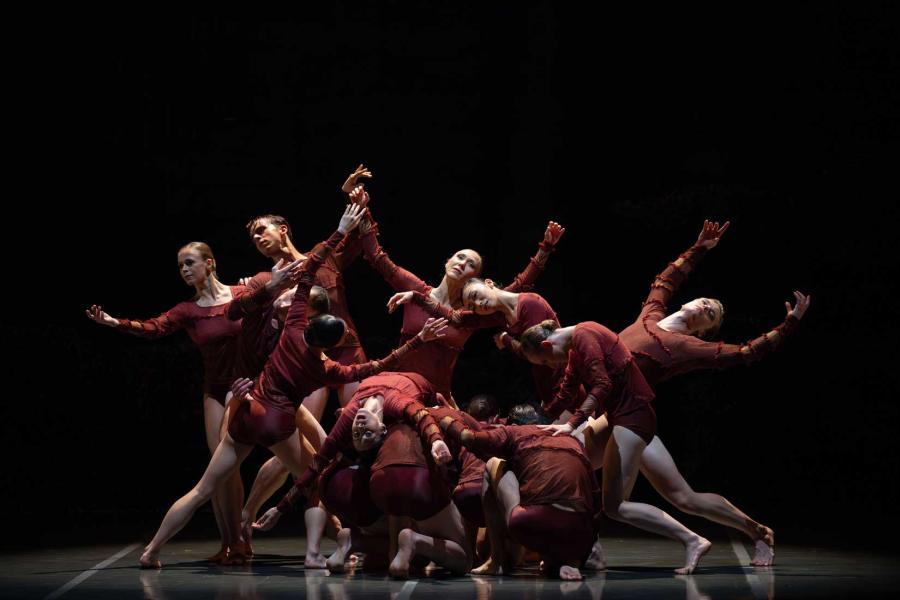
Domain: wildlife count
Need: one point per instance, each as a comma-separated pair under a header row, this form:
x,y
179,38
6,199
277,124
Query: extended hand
x,y
268,520
361,171
800,309
710,234
433,329
398,299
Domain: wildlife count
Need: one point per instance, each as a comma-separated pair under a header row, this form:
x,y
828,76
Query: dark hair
x,y
276,220
482,407
319,300
523,414
533,336
324,331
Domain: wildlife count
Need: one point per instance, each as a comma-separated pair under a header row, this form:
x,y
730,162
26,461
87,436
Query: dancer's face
x,y
480,298
548,355
463,265
702,314
268,237
367,430
193,268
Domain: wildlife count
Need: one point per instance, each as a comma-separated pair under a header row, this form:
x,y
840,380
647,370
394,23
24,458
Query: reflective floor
x,y
640,567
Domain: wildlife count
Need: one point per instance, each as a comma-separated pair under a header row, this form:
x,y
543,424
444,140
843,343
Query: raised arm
x,y
296,316
397,277
524,281
458,317
667,283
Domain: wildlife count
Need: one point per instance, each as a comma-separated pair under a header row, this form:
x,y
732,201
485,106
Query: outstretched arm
x,y
483,444
727,355
336,373
165,324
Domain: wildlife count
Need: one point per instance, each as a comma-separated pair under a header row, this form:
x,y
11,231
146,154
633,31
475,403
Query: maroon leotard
x,y
293,370
436,360
208,327
613,382
403,395
662,354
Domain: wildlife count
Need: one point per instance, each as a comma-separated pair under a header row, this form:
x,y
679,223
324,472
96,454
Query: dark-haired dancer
x,y
204,320
545,501
296,367
437,361
595,359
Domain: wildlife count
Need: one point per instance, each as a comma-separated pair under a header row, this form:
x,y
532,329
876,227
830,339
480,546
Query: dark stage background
x,y
481,123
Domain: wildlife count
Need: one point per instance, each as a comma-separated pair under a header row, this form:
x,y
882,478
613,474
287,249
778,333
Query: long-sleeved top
x,y
436,360
405,396
604,366
208,327
293,370
550,469
662,354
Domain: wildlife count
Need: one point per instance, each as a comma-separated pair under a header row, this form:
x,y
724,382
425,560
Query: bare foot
x,y
150,560
569,573
765,548
694,551
488,568
597,560
399,567
237,555
219,556
314,560
335,562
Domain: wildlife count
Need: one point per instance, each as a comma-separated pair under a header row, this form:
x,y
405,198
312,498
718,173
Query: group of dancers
x,y
405,477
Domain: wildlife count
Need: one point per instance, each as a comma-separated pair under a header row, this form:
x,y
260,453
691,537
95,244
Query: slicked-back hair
x,y
276,220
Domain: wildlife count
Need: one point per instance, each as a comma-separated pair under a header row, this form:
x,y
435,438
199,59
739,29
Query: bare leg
x,y
315,518
620,469
596,436
213,416
315,403
442,539
227,457
659,468
346,391
495,519
310,428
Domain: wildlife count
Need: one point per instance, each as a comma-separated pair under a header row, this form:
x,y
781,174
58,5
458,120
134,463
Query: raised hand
x,y
268,520
361,171
553,233
800,308
241,387
440,452
244,281
398,299
710,234
359,195
433,329
351,217
96,314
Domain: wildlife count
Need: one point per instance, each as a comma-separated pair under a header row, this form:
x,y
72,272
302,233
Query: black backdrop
x,y
481,123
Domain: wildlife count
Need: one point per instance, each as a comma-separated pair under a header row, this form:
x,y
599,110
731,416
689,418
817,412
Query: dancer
x,y
436,361
295,368
594,357
545,501
666,346
204,320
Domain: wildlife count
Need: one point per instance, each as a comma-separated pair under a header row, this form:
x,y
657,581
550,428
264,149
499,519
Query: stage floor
x,y
639,567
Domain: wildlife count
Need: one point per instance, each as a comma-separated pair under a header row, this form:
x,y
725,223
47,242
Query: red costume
x,y
293,370
208,327
613,382
403,394
662,354
264,334
437,360
551,470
